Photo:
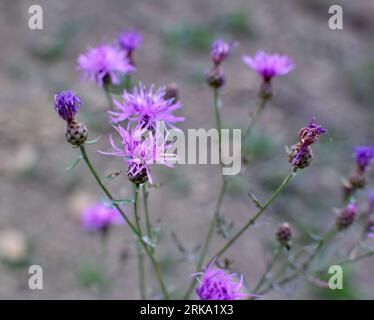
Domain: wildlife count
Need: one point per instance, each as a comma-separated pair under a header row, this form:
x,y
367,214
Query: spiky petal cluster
x,y
67,105
302,151
104,63
140,148
146,107
216,284
98,217
130,40
220,51
269,66
364,157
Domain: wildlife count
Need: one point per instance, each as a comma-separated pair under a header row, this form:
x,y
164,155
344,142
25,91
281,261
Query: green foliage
x,y
238,23
93,276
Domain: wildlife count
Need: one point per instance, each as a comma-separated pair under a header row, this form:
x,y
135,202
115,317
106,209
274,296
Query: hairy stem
x,y
146,213
154,263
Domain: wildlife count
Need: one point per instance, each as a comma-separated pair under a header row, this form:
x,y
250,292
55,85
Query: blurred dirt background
x,y
40,204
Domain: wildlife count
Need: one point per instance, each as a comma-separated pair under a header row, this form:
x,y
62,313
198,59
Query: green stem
x,y
256,216
108,96
270,266
154,263
146,212
141,272
214,221
259,108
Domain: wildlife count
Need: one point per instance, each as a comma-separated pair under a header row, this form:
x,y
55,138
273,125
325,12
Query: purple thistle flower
x,y
364,156
130,40
98,217
67,105
311,133
104,63
215,284
140,149
269,65
146,107
220,51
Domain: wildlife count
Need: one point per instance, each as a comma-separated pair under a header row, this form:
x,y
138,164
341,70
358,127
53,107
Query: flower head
x,y
130,40
67,105
104,63
346,216
216,284
269,65
300,155
220,51
146,107
140,149
370,233
364,157
284,235
98,217
311,133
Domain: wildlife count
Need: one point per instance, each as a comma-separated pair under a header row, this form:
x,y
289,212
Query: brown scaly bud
x,y
76,133
266,91
346,216
215,77
284,235
139,178
171,92
300,156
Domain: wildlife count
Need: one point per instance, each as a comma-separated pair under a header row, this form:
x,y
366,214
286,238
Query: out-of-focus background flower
x,y
40,204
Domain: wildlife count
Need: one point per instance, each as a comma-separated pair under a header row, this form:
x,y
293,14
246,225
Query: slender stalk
x,y
108,96
146,213
140,256
214,221
154,263
328,236
259,108
141,273
270,266
277,192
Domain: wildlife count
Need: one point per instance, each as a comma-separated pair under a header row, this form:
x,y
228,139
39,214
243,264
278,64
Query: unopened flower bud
x,y
346,216
284,235
76,133
215,77
266,91
357,180
171,92
300,156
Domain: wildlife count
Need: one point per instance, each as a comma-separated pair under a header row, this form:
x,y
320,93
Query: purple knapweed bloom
x,y
140,148
364,157
269,65
301,154
220,51
98,217
311,133
216,284
146,107
130,40
104,63
67,105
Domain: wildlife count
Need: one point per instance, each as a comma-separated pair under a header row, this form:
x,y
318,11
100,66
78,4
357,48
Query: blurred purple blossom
x,y
130,40
67,105
141,148
220,51
311,133
104,63
98,217
146,107
269,65
364,156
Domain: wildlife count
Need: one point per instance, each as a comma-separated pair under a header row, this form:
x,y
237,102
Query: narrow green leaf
x,y
124,201
94,140
76,161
